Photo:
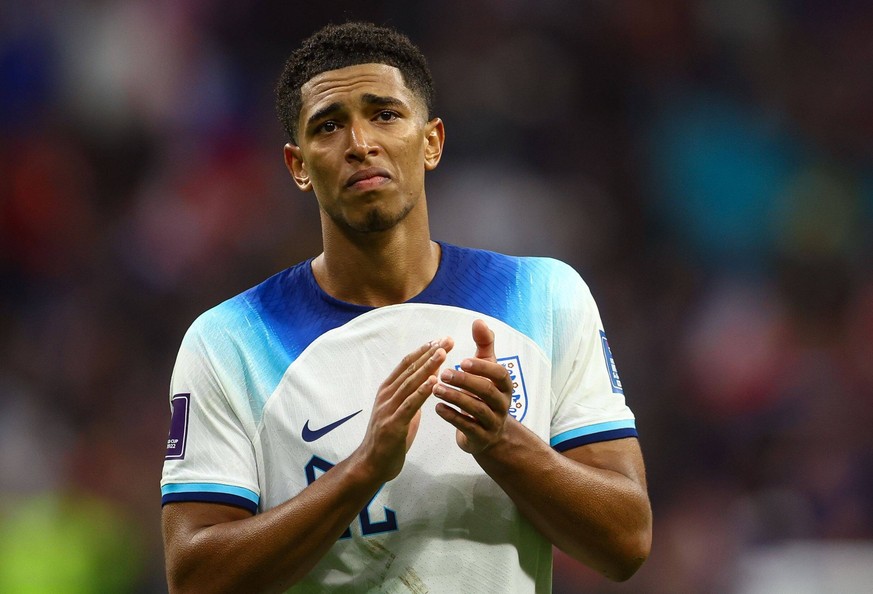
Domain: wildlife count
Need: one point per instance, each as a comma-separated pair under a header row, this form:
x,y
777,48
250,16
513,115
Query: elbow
x,y
623,569
630,555
183,577
177,582
618,556
186,584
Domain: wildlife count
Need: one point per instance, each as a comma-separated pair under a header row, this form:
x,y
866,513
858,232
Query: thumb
x,y
484,339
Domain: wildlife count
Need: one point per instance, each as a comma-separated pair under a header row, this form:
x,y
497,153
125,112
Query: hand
x,y
397,410
481,391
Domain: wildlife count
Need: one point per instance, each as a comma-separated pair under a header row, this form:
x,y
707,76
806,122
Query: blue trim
x,y
209,497
594,438
590,430
210,488
210,492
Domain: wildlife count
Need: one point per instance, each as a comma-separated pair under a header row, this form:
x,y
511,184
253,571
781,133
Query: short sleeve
x,y
210,456
589,402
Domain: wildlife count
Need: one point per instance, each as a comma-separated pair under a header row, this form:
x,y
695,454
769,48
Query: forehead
x,y
347,85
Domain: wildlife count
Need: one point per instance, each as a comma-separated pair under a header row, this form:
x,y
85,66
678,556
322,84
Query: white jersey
x,y
275,386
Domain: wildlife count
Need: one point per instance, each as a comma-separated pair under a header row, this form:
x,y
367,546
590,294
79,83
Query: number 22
x,y
368,527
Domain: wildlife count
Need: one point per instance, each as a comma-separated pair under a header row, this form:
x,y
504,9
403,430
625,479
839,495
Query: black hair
x,y
349,44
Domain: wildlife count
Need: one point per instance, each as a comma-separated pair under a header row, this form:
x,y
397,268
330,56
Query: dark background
x,y
705,164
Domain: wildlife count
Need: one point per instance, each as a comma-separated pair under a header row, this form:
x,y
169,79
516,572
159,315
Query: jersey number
x,y
368,527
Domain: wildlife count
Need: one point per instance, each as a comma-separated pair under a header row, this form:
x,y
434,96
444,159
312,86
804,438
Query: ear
x,y
435,137
297,168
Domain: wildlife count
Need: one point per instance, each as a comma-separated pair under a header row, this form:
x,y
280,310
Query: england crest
x,y
518,406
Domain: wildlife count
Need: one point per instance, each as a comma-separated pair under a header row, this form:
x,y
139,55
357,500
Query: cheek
x,y
321,174
413,163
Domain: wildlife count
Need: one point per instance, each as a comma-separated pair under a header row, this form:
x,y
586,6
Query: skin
x,y
377,247
364,121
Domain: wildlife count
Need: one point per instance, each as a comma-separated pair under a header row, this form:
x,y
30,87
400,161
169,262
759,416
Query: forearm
x,y
273,550
598,516
213,548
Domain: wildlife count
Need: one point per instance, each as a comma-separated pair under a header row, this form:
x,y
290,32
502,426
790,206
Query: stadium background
x,y
706,165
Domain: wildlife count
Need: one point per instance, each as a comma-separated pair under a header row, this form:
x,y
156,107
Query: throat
x,y
377,278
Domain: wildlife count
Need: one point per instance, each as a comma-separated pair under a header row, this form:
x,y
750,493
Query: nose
x,y
361,145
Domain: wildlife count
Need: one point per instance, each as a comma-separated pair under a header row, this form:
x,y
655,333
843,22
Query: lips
x,y
370,176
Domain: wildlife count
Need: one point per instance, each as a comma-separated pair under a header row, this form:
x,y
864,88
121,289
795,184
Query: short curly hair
x,y
349,44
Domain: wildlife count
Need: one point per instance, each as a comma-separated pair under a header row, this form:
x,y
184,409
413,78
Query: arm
x,y
212,547
591,501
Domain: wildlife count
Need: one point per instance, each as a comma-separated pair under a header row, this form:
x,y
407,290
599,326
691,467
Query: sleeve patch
x,y
178,427
611,369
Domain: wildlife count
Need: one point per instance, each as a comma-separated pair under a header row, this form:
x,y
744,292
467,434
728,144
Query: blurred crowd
x,y
707,166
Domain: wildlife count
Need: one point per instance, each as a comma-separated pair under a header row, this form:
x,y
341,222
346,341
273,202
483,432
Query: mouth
x,y
368,178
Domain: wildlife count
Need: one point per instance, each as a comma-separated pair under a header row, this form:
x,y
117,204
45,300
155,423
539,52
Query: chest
x,y
320,411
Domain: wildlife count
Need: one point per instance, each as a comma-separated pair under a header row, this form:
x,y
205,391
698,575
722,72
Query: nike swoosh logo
x,y
313,434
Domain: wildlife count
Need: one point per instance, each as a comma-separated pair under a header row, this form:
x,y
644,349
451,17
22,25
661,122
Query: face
x,y
364,144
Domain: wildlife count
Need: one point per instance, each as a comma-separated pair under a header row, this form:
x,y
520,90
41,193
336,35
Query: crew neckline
x,y
438,281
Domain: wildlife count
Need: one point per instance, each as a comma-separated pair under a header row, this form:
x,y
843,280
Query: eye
x,y
386,115
328,127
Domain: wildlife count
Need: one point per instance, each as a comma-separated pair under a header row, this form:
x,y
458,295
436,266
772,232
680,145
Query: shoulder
x,y
540,297
539,273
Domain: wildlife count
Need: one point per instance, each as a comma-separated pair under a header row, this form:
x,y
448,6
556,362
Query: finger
x,y
493,372
464,423
414,401
447,343
480,387
471,406
457,418
412,362
418,376
407,361
484,339
488,381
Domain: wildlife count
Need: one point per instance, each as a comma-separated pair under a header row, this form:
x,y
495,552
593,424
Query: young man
x,y
305,446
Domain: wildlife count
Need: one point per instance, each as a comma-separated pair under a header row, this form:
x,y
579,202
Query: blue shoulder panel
x,y
264,329
271,324
517,291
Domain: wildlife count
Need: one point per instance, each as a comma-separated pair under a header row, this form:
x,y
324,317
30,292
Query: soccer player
x,y
395,414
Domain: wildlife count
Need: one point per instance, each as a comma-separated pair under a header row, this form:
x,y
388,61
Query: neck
x,y
376,269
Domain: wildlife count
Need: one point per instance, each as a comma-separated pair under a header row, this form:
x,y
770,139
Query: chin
x,y
373,221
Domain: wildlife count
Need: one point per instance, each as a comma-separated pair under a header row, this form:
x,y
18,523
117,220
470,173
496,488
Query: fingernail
x,y
447,375
466,364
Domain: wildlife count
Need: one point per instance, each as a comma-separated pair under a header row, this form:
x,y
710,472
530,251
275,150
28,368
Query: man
x,y
305,449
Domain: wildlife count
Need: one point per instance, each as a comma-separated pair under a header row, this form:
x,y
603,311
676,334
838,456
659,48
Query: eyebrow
x,y
371,99
323,112
368,98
